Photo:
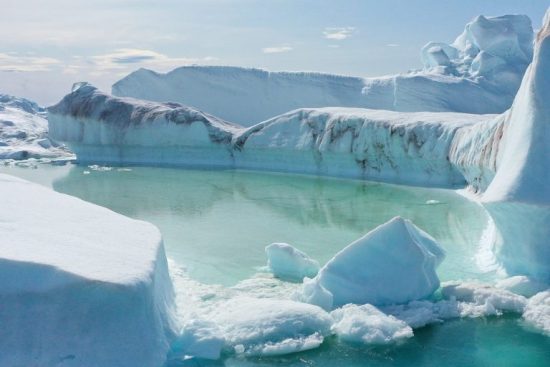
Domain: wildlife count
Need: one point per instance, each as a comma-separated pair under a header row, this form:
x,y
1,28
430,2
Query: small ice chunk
x,y
287,262
369,325
479,299
522,285
261,326
394,263
200,339
537,312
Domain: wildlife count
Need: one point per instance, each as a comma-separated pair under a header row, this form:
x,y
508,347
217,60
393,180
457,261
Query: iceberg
x,y
410,148
287,262
24,131
483,66
537,312
394,263
79,284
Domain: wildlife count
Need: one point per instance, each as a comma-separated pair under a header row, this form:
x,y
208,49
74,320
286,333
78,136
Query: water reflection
x,y
217,222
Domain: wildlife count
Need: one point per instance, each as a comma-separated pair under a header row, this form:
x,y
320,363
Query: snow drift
x,y
483,67
24,131
79,285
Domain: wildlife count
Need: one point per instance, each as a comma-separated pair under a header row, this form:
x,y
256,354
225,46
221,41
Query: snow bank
x,y
79,285
483,66
393,263
369,325
287,262
24,131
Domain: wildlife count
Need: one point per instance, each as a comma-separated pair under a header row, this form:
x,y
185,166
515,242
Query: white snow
x,y
287,262
369,325
24,131
79,284
483,68
537,312
393,263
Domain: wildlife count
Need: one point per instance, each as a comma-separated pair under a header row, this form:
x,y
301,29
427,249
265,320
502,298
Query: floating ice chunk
x,y
522,285
200,339
287,262
394,263
269,327
421,313
369,325
537,312
480,299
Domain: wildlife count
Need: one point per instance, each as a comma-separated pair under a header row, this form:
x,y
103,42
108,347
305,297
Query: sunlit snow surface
x,y
214,271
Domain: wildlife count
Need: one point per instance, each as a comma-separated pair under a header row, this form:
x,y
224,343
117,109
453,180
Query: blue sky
x,y
46,45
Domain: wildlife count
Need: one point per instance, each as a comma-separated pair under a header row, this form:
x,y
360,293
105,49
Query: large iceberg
x,y
394,263
24,131
80,285
410,148
479,73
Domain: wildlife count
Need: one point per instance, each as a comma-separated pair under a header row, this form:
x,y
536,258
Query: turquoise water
x,y
217,223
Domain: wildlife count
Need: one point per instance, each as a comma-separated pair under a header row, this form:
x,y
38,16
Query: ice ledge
x,y
69,268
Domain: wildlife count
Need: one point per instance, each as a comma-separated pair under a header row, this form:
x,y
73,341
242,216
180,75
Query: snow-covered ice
x,y
287,262
479,73
79,284
393,263
522,285
24,131
367,324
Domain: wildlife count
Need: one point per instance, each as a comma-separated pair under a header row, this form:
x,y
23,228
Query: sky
x,y
47,45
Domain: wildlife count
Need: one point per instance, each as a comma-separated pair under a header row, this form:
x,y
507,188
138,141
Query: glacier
x,y
483,66
24,132
81,285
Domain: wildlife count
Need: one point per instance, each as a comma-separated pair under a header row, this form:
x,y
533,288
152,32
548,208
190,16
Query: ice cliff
x,y
483,66
81,285
24,131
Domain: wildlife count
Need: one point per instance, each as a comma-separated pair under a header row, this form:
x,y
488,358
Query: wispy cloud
x,y
392,45
276,49
338,33
123,58
12,61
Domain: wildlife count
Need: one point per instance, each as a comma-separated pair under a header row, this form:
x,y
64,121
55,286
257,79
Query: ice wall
x,y
518,197
79,284
483,66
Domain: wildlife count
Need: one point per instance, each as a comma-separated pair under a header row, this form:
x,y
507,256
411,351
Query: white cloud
x,y
276,50
338,33
392,45
12,61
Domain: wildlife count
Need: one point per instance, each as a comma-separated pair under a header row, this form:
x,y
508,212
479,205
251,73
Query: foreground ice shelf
x,y
80,284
